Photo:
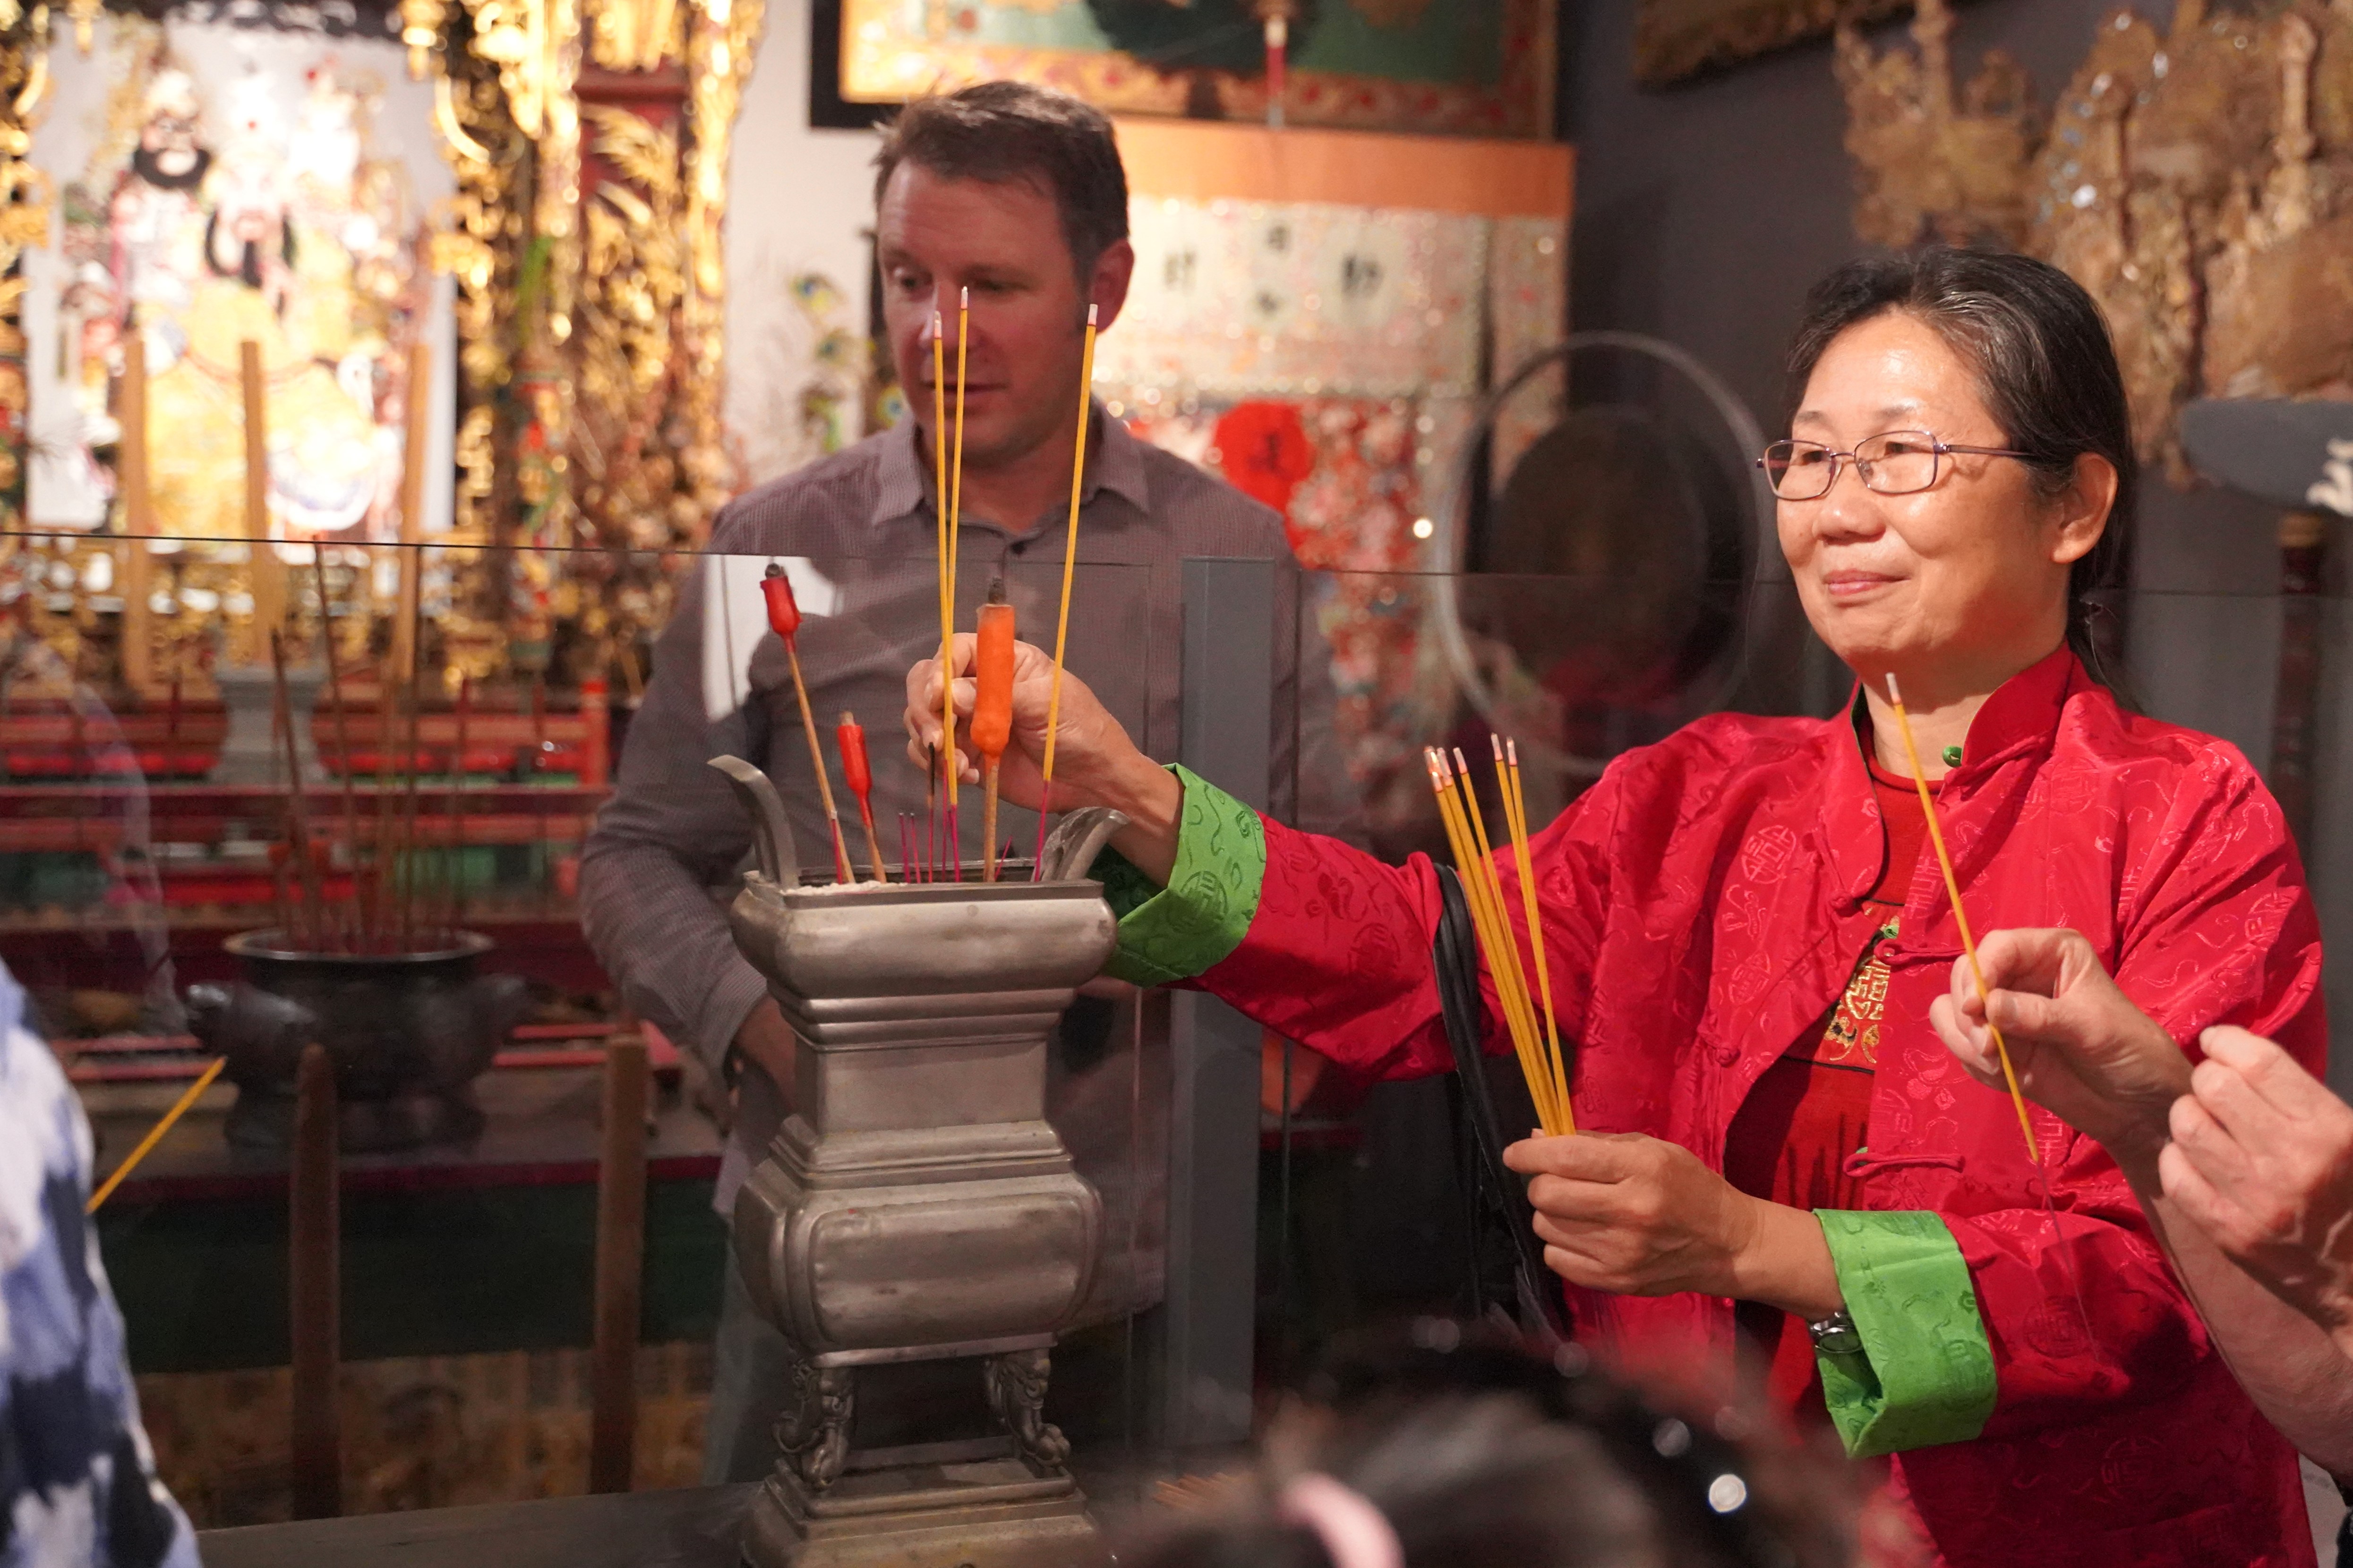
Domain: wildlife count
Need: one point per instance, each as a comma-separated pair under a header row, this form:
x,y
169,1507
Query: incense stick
x,y
1515,821
1953,892
1507,942
1069,566
155,1134
297,816
956,549
342,730
932,775
1493,937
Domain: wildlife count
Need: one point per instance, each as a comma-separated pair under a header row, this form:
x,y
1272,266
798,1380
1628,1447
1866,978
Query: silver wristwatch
x,y
1836,1335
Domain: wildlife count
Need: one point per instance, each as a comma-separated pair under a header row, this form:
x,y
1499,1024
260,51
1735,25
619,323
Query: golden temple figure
x,y
2188,179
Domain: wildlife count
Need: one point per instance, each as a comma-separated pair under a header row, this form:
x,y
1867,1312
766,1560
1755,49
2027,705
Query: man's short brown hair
x,y
1005,130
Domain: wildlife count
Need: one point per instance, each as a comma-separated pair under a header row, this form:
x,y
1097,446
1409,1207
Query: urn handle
x,y
772,831
1077,839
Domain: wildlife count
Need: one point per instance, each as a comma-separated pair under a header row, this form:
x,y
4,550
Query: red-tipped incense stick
x,y
859,775
784,620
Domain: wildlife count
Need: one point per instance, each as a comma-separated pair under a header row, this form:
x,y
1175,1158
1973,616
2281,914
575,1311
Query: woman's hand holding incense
x,y
1095,763
2262,1160
1641,1216
2081,1050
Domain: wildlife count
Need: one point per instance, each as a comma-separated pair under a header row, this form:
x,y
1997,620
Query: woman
x,y
1746,937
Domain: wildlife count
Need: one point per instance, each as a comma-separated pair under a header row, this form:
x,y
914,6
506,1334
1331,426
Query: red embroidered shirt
x,y
1705,902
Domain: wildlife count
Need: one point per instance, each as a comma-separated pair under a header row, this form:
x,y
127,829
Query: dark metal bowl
x,y
408,1033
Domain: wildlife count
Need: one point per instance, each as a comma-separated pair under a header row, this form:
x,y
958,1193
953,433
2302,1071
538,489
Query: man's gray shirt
x,y
668,848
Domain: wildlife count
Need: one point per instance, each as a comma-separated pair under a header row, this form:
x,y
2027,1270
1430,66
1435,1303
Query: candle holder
x,y
916,1206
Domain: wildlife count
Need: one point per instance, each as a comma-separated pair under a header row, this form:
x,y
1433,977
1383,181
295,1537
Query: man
x,y
2242,1162
1015,196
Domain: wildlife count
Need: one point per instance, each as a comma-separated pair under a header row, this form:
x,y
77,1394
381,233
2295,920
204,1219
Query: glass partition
x,y
161,876
550,797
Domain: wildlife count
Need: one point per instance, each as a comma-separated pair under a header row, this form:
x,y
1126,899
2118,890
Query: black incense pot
x,y
408,1033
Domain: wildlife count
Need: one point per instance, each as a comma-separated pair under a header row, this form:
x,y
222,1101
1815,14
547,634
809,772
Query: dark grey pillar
x,y
1227,704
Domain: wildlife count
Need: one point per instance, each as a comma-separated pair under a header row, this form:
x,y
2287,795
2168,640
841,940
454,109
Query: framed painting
x,y
1674,39
1479,68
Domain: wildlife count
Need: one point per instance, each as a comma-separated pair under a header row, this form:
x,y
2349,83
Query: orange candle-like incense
x,y
1953,892
992,711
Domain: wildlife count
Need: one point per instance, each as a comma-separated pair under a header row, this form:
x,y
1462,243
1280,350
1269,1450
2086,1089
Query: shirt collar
x,y
903,483
2020,721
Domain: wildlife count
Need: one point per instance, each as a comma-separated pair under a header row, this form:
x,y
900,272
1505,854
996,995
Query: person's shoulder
x,y
779,514
2097,730
1726,756
1194,500
1716,743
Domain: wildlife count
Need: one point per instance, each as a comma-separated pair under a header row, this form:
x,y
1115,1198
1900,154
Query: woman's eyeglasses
x,y
1895,464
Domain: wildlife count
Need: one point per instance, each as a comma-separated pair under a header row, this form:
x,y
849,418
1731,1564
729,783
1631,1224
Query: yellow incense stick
x,y
955,519
1070,554
156,1135
1953,891
1506,939
1515,818
1494,935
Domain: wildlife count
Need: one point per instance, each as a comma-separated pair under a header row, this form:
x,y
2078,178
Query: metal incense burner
x,y
916,1206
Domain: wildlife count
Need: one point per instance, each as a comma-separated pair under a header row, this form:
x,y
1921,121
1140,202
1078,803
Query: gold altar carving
x,y
24,220
588,317
2198,181
1678,39
589,301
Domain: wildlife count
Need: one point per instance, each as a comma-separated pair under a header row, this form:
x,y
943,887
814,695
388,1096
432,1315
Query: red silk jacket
x,y
1703,904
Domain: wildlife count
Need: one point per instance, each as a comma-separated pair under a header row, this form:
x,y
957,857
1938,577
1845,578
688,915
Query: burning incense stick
x,y
1953,892
784,620
1515,821
456,816
155,1134
297,816
992,711
1070,564
851,737
336,695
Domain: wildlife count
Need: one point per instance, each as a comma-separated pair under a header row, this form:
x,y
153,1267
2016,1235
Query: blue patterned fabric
x,y
78,1487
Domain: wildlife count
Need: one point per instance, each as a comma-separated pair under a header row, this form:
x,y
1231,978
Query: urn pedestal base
x,y
987,1513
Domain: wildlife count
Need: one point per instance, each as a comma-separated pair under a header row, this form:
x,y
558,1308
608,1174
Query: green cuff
x,y
1926,1373
1183,930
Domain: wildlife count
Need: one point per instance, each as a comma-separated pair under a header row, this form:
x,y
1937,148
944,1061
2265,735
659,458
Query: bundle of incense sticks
x,y
1539,1053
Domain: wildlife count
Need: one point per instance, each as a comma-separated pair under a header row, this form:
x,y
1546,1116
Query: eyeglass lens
x,y
1894,464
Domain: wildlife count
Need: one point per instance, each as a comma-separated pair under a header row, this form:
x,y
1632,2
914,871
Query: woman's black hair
x,y
2045,366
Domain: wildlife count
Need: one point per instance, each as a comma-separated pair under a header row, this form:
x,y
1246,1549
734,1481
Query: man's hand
x,y
2262,1160
1095,763
2081,1050
766,1042
1641,1216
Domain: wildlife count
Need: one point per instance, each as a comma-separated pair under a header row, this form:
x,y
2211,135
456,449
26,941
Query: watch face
x,y
1836,1335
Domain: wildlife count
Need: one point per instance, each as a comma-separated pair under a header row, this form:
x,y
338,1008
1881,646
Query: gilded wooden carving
x,y
1677,39
2198,181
